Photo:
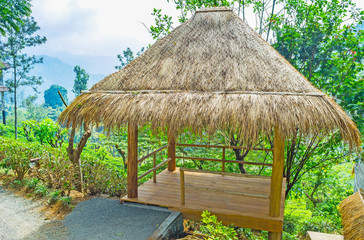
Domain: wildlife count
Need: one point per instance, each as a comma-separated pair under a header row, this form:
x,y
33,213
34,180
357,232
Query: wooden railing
x,y
223,160
183,184
155,166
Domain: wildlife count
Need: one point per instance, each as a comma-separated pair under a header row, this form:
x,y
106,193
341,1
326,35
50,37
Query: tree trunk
x,y
15,102
74,154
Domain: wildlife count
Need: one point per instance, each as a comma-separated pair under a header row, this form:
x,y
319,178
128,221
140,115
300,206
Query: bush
x,y
214,229
16,156
56,171
100,177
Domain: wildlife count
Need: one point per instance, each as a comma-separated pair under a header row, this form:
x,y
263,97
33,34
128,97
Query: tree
x,y
12,13
320,39
127,57
81,80
21,64
52,98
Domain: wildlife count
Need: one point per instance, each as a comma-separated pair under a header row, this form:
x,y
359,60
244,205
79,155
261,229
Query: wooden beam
x,y
276,180
220,146
226,161
182,180
223,173
171,150
132,161
152,153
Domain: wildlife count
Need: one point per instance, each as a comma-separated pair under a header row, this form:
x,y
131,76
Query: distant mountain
x,y
55,71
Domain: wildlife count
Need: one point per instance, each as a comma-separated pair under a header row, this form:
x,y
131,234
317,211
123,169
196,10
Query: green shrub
x,y
66,201
54,197
16,156
56,171
40,190
100,177
32,183
215,229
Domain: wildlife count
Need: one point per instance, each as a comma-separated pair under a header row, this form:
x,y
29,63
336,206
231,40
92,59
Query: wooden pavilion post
x,y
132,161
276,181
171,150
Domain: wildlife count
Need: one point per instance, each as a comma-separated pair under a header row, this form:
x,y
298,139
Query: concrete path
x,y
97,218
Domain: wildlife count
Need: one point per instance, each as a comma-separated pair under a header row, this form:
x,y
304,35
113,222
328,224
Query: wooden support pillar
x,y
276,181
172,150
132,161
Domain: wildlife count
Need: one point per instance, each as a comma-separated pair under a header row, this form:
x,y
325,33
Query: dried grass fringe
x,y
352,214
215,51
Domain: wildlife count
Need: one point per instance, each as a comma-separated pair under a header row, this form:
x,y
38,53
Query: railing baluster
x,y
223,159
182,178
154,168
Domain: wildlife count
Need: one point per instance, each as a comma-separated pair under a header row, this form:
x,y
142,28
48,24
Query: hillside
x,y
54,71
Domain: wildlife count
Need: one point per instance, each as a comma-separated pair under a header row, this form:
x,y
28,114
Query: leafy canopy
x,y
52,98
81,80
12,13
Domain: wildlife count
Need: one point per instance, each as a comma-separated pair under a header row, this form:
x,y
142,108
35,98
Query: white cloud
x,y
96,27
99,27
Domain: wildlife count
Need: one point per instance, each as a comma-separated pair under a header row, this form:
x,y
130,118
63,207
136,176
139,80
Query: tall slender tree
x,y
12,13
12,48
81,80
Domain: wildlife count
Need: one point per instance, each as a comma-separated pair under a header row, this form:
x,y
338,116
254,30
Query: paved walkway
x,y
97,218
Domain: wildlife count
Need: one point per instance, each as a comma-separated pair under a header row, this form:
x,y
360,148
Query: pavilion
x,y
212,73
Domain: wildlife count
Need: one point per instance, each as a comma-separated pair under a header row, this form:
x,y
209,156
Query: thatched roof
x,y
212,72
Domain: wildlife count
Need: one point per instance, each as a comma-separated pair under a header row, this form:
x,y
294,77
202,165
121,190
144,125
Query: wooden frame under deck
x,y
257,211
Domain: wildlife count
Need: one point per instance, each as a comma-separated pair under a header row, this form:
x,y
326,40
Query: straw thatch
x,y
213,72
352,217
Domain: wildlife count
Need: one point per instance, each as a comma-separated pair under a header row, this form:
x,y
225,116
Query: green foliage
x,y
318,39
102,177
214,229
54,197
65,201
81,80
127,57
40,190
16,155
163,24
31,183
12,51
12,13
52,98
5,130
45,131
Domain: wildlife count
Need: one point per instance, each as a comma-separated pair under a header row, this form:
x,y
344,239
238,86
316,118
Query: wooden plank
x,y
152,153
220,160
224,173
276,182
220,146
277,174
182,179
132,161
226,192
223,160
230,208
171,150
156,168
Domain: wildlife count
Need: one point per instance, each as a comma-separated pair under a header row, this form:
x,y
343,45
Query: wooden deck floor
x,y
221,195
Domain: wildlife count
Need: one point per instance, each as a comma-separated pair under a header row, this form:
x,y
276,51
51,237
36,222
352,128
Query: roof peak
x,y
215,9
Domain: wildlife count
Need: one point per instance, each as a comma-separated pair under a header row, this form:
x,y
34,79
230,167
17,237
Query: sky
x,y
95,27
98,27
